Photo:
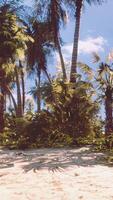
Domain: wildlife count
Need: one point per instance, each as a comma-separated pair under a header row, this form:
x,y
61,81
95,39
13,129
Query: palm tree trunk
x,y
76,40
2,110
23,89
108,111
55,12
61,60
5,103
13,99
38,92
23,84
19,101
48,77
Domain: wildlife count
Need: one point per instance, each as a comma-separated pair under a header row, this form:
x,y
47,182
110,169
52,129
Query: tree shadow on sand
x,y
54,160
69,158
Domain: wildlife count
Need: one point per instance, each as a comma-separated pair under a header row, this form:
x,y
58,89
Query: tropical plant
x,y
105,80
55,14
13,39
38,53
69,102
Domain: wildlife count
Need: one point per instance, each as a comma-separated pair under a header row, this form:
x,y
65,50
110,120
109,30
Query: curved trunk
x,y
76,40
19,101
55,18
108,112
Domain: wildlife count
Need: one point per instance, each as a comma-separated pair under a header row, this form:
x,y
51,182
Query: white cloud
x,y
86,46
92,45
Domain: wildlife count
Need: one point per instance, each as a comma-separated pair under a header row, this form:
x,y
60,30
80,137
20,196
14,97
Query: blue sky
x,y
96,33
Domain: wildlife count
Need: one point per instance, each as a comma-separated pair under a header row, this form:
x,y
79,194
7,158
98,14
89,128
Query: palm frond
x,y
86,69
96,57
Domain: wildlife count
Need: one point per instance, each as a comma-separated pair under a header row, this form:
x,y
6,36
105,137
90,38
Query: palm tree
x,y
54,13
13,41
37,53
77,5
105,80
6,51
106,83
56,16
6,79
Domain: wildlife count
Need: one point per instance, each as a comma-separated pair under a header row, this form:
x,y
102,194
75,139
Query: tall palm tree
x,y
37,53
56,16
54,13
13,39
77,5
6,51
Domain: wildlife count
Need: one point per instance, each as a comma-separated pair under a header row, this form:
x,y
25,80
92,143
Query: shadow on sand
x,y
52,159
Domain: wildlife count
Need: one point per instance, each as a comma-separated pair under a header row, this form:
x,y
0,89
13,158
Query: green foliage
x,y
38,131
13,36
15,133
39,128
71,109
74,109
109,141
42,132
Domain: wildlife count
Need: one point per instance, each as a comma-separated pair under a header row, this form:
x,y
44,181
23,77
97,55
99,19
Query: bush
x,y
71,118
42,131
15,133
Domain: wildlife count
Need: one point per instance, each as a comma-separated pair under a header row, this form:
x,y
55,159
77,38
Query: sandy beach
x,y
54,174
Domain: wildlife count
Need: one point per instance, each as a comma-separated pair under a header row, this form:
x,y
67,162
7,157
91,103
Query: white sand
x,y
54,174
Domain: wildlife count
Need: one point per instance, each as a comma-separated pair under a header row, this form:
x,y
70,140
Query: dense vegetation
x,y
65,108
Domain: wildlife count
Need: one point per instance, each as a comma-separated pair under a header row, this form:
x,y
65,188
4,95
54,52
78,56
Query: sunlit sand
x,y
54,174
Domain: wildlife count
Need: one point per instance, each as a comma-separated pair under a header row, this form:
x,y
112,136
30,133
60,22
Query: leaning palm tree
x,y
77,6
54,13
56,16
